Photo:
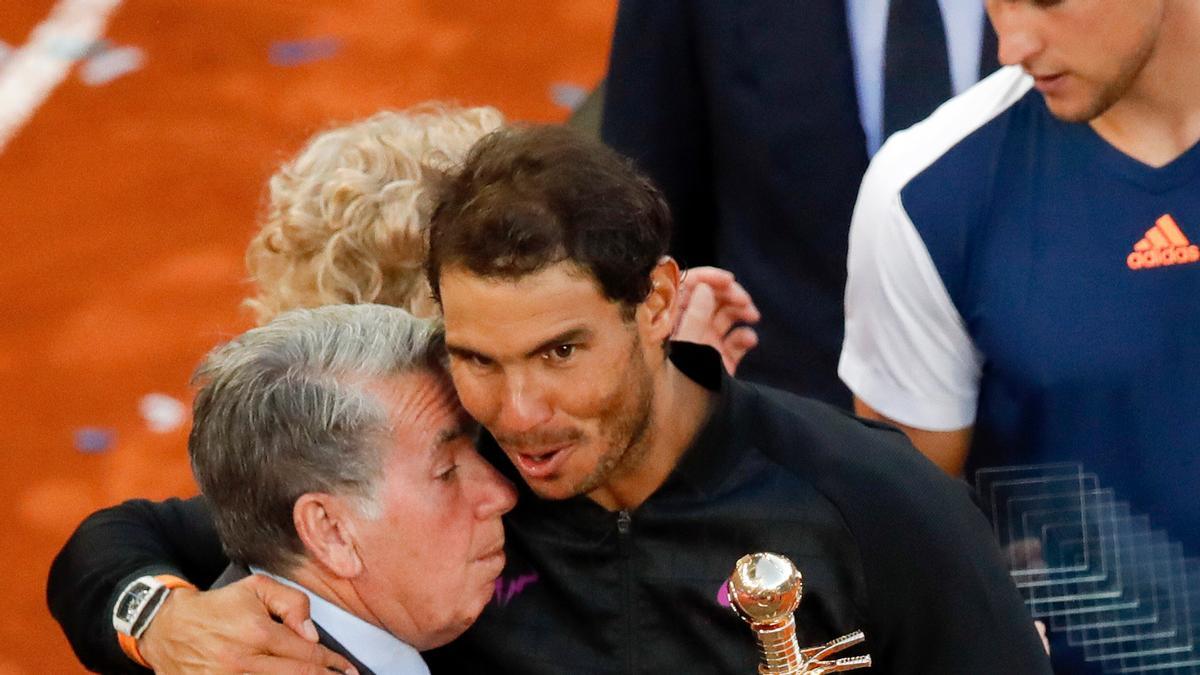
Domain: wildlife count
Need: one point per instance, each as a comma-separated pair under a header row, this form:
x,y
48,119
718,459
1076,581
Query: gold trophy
x,y
765,589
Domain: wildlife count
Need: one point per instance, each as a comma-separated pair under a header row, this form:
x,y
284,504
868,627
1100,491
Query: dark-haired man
x,y
646,472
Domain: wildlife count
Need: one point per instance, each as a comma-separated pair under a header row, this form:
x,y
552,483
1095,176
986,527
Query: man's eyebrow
x,y
464,352
566,337
465,428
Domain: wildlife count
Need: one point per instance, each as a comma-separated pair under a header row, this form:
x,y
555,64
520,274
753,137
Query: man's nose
x,y
1018,41
497,495
522,406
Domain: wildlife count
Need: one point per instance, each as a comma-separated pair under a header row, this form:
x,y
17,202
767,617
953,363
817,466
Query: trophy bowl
x,y
765,589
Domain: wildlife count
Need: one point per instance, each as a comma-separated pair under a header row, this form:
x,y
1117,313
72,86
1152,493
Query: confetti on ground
x,y
299,52
162,413
567,95
111,64
74,48
32,72
94,439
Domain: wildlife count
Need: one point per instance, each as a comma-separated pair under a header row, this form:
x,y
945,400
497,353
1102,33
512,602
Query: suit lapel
x,y
233,573
237,572
334,645
989,60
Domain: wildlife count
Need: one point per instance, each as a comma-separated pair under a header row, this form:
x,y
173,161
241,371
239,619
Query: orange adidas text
x,y
1162,257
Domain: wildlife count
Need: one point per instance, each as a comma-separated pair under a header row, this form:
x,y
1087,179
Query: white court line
x,y
33,71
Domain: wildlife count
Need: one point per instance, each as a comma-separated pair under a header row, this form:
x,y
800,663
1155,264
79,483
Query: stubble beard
x,y
1111,93
628,436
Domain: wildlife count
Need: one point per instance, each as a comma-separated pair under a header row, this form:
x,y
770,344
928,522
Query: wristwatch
x,y
137,605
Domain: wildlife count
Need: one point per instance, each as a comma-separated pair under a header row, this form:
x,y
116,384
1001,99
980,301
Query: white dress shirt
x,y
373,646
963,20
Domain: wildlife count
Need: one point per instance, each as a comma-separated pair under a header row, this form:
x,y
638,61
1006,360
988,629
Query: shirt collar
x,y
373,646
712,454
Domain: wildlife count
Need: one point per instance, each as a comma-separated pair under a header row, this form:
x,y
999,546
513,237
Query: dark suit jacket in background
x,y
746,115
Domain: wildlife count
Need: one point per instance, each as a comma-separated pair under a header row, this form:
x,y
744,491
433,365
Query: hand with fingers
x,y
255,625
716,311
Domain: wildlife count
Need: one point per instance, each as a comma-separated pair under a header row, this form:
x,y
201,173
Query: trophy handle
x,y
841,665
833,646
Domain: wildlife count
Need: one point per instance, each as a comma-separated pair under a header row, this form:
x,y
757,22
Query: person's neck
x,y
345,594
339,592
1158,119
681,407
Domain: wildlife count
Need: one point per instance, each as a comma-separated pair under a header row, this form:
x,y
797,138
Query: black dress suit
x,y
236,572
746,115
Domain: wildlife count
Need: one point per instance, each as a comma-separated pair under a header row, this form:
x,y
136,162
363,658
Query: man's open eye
x,y
446,475
561,352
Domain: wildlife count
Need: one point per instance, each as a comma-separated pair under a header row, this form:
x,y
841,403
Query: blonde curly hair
x,y
347,217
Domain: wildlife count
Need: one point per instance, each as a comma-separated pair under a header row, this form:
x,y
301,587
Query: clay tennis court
x,y
130,190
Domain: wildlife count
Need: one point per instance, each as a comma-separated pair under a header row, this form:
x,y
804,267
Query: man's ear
x,y
326,525
662,304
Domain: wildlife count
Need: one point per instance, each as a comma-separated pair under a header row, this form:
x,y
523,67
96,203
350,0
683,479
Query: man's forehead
x,y
565,268
422,401
520,312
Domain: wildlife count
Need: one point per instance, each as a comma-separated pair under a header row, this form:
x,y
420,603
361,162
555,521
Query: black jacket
x,y
885,541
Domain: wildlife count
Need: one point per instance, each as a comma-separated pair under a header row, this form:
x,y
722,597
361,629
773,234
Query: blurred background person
x,y
758,119
347,219
347,216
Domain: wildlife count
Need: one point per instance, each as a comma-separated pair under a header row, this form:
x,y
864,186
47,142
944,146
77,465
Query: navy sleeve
x,y
655,112
111,548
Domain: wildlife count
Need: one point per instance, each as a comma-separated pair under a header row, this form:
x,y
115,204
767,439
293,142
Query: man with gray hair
x,y
337,460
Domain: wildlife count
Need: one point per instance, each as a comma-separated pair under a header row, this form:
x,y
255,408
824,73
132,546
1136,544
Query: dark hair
x,y
527,198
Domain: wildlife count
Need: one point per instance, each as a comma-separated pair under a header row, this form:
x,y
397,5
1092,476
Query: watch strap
x,y
128,642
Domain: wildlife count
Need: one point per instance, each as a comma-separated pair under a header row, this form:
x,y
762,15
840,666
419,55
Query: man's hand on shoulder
x,y
255,625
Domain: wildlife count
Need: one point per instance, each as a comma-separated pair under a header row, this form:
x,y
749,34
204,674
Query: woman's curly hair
x,y
347,217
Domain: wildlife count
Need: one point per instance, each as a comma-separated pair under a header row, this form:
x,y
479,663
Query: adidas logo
x,y
1164,244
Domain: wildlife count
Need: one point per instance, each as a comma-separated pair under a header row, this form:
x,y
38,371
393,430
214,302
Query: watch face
x,y
128,605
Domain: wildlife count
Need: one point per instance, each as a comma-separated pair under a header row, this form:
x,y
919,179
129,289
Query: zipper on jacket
x,y
624,524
